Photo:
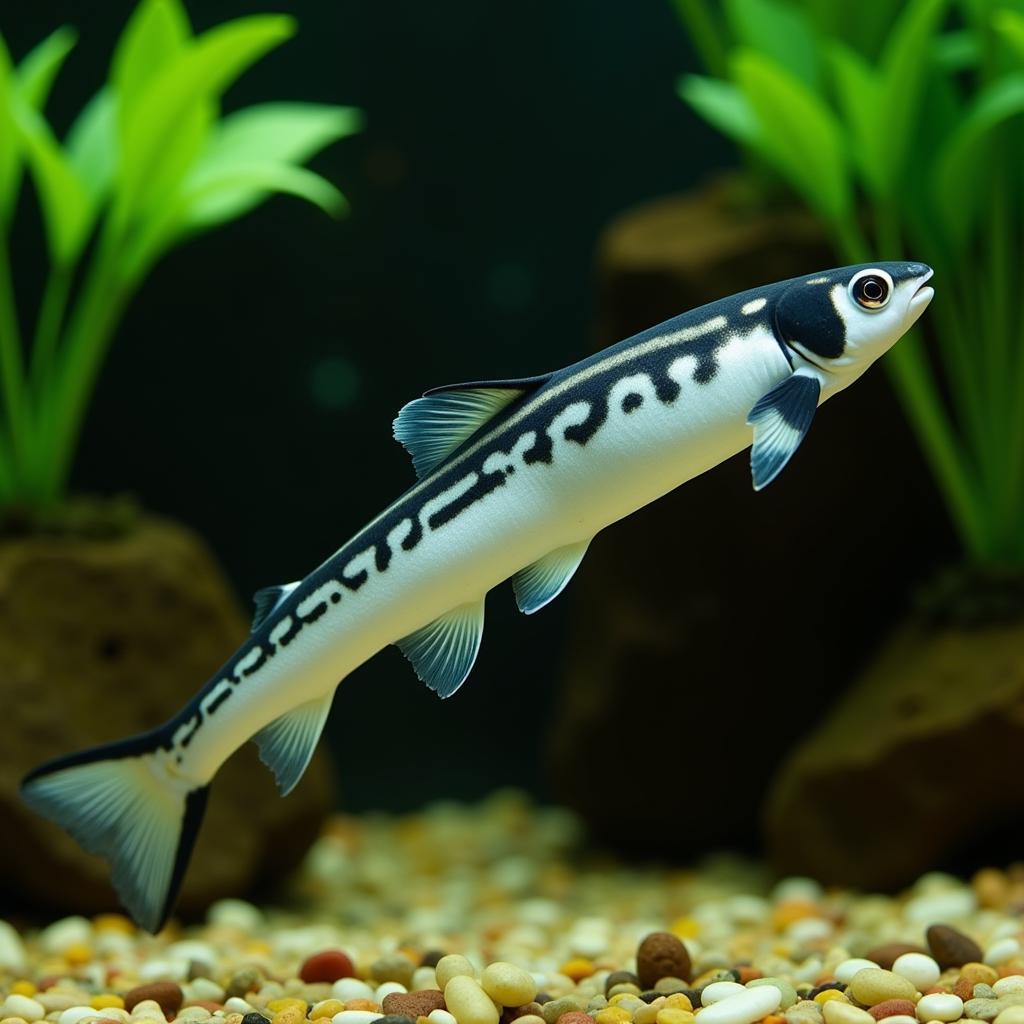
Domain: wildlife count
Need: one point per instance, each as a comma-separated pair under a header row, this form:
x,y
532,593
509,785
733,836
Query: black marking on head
x,y
805,315
632,402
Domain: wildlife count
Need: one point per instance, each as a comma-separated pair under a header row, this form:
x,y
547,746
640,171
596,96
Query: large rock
x,y
715,626
100,639
915,768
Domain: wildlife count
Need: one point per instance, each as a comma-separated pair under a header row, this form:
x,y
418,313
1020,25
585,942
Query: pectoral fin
x,y
541,582
442,652
781,419
287,744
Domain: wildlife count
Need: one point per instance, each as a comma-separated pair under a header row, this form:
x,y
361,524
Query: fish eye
x,y
871,289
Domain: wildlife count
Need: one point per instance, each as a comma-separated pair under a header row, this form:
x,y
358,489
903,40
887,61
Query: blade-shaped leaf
x,y
10,151
156,32
67,211
161,129
1010,25
39,67
962,168
779,30
799,134
723,106
288,132
905,65
92,144
859,92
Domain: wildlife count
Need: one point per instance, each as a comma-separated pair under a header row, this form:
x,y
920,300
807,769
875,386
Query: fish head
x,y
842,320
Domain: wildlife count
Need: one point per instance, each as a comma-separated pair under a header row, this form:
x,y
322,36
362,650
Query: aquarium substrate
x,y
496,912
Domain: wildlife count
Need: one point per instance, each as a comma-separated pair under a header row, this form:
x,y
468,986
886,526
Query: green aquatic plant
x,y
898,124
148,163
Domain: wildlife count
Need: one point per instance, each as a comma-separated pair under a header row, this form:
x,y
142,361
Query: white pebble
x,y
440,1017
896,1018
53,1000
999,952
942,1006
719,990
236,1004
424,978
752,1004
12,949
73,1014
804,890
845,971
163,970
235,914
952,905
347,989
148,1009
387,988
809,929
204,988
356,1017
68,931
918,968
1011,984
21,1006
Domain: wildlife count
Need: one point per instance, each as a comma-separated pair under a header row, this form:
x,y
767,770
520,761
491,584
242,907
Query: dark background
x,y
251,388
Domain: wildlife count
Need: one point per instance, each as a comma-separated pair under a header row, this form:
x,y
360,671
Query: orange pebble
x,y
749,974
113,923
786,913
78,954
364,1004
774,1018
578,968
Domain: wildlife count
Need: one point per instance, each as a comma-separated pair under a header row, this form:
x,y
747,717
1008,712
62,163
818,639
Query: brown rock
x,y
328,966
576,1017
661,955
166,993
636,629
101,639
886,955
951,948
892,1007
414,1004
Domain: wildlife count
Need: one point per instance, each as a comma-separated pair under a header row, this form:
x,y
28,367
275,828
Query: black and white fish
x,y
515,479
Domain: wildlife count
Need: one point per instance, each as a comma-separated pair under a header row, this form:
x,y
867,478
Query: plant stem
x,y
704,34
11,366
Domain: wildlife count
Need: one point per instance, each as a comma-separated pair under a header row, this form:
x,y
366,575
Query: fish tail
x,y
123,802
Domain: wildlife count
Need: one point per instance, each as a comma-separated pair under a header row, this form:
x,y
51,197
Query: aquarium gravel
x,y
497,912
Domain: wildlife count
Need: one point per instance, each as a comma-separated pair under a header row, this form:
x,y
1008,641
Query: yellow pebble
x,y
77,954
328,1008
679,1001
830,993
685,927
277,1005
290,1014
612,1015
578,968
258,948
23,988
107,1001
670,1015
113,923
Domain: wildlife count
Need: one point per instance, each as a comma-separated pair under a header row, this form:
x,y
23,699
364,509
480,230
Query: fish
x,y
514,479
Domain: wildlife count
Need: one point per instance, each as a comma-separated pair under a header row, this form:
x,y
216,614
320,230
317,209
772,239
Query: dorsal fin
x,y
432,427
266,600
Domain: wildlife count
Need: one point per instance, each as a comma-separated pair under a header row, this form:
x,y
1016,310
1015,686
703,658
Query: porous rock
x,y
661,955
101,639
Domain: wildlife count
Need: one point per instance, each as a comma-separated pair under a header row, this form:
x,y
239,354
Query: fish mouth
x,y
920,299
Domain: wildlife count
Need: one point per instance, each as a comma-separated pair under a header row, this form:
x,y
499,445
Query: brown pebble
x,y
576,1017
950,947
661,955
167,994
886,955
964,988
431,958
412,1004
329,966
892,1007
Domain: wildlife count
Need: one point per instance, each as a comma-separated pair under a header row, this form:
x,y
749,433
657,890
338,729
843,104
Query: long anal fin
x,y
781,419
442,652
286,745
541,582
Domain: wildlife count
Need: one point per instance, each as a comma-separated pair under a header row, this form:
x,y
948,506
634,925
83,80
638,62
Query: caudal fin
x,y
119,801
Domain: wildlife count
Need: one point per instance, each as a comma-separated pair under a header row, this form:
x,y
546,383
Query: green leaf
x,y
290,132
859,92
723,106
779,30
799,135
156,32
67,211
166,126
957,51
39,67
92,144
1010,25
962,169
10,152
905,66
